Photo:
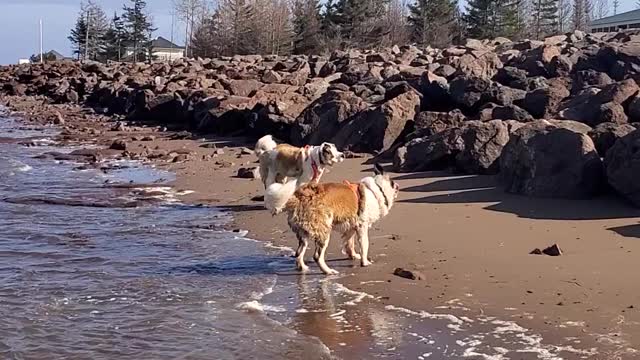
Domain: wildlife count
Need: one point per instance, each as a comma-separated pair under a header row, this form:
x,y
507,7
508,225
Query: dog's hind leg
x,y
303,242
363,236
321,249
349,246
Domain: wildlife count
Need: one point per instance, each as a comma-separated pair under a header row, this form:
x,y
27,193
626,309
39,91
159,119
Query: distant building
x,y
161,49
54,56
622,21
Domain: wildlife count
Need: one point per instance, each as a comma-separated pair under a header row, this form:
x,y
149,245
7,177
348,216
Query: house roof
x,y
163,43
629,16
56,54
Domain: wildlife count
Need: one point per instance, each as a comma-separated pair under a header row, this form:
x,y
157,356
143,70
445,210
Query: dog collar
x,y
314,166
386,201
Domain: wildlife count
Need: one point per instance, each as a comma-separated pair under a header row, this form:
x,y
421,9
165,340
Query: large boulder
x,y
544,102
544,160
606,134
378,128
595,107
623,166
468,92
428,123
322,119
434,152
482,145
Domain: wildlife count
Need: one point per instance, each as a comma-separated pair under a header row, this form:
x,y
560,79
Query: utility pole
x,y
41,51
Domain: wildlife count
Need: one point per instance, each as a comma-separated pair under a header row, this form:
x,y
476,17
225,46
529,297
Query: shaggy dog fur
x,y
315,210
278,163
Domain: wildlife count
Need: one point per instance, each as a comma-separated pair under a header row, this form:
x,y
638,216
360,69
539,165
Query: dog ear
x,y
326,147
377,169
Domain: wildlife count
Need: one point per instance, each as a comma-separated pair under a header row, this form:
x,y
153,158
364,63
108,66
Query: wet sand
x,y
470,239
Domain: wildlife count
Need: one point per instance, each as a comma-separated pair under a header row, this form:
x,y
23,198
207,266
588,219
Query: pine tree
x,y
510,23
616,6
307,27
545,18
115,39
481,19
432,22
361,22
138,29
78,37
206,40
487,19
332,38
97,27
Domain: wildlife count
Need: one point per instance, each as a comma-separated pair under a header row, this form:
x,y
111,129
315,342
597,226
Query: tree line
x,y
240,27
125,35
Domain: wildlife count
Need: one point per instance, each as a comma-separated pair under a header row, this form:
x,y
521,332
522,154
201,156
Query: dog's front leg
x,y
363,236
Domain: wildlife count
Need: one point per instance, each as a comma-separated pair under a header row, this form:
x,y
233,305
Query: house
x,y
54,56
161,49
622,21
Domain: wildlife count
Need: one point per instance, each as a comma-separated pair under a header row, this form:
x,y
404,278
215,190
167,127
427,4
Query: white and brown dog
x,y
314,210
278,163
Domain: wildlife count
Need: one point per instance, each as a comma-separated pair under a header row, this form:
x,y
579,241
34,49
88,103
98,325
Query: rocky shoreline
x,y
554,108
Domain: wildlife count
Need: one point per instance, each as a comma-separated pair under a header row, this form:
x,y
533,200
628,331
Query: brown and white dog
x,y
281,162
315,210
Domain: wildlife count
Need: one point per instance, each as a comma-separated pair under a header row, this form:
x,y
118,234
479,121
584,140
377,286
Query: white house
x,y
161,49
622,21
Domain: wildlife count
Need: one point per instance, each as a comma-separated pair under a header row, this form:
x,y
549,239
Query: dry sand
x,y
470,239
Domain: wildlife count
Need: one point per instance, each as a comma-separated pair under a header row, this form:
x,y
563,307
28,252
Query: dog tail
x,y
264,144
280,196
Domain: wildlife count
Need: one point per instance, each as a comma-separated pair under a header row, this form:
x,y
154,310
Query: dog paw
x,y
355,256
366,263
303,269
332,272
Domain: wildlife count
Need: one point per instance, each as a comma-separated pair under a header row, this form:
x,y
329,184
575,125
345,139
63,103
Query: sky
x,y
19,29
19,33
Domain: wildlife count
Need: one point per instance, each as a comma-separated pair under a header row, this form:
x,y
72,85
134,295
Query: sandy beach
x,y
469,239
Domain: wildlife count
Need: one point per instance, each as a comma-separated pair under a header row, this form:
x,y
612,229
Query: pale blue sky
x,y
19,34
19,23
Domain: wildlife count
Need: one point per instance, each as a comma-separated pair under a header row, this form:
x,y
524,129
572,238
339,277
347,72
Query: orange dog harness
x,y
353,187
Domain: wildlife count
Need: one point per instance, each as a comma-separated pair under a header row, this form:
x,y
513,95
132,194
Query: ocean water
x,y
109,264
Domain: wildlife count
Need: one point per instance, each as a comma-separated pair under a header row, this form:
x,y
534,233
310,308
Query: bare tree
x,y
582,10
273,24
397,26
564,16
190,13
600,9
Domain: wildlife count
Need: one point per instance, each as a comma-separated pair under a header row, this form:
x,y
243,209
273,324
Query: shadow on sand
x,y
485,189
627,230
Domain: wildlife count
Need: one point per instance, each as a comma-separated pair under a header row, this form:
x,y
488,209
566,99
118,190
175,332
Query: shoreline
x,y
466,236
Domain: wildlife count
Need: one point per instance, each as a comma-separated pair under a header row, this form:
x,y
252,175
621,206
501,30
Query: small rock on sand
x,y
409,274
553,250
118,145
